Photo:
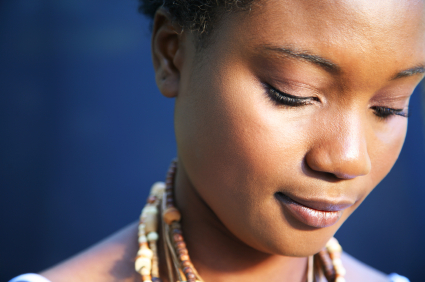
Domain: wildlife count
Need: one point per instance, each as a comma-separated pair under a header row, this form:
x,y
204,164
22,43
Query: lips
x,y
314,213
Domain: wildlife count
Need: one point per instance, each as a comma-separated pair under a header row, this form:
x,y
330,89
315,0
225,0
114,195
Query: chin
x,y
289,240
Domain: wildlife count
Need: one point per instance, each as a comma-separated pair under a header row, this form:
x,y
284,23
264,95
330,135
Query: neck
x,y
220,256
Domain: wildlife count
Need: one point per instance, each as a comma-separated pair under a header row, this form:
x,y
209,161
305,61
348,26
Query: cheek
x,y
384,145
238,151
386,142
228,127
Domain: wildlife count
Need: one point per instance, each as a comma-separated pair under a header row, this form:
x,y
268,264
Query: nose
x,y
340,149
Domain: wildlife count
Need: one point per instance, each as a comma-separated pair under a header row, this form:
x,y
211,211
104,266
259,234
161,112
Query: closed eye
x,y
385,113
282,98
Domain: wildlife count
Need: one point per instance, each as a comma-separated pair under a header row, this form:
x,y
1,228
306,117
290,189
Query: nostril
x,y
323,175
344,176
333,165
328,176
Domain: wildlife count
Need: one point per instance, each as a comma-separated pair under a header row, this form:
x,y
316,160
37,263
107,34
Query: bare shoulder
x,y
358,271
110,260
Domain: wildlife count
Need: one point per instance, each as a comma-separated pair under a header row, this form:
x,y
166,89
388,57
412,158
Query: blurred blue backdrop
x,y
84,132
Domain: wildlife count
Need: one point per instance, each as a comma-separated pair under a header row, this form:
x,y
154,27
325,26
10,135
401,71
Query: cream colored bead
x,y
149,209
340,270
171,214
145,271
141,226
335,255
340,279
152,236
332,241
337,262
145,252
334,248
142,231
151,222
333,245
150,218
142,239
157,189
142,264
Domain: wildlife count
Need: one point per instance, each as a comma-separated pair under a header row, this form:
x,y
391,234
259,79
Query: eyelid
x,y
284,99
386,112
281,98
268,86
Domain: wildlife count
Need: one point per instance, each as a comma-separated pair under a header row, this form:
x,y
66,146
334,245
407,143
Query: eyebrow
x,y
305,56
329,65
410,72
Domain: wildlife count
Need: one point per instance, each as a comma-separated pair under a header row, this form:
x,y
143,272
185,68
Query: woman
x,y
287,115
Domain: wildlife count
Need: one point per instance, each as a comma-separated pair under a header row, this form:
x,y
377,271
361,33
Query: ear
x,y
167,53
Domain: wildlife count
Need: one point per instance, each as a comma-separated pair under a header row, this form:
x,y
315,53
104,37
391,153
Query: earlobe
x,y
166,53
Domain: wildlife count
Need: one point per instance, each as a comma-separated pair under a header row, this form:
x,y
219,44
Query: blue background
x,y
84,132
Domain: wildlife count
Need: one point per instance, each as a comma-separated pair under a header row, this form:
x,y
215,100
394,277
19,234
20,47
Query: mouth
x,y
313,213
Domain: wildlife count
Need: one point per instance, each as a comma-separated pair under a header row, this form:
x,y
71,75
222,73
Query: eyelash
x,y
285,99
281,98
385,113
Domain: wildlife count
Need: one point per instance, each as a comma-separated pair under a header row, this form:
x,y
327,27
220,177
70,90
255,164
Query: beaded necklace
x,y
180,268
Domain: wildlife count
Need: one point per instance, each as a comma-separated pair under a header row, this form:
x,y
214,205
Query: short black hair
x,y
194,15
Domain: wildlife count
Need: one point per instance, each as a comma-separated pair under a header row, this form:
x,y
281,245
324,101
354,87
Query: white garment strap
x,y
30,277
394,277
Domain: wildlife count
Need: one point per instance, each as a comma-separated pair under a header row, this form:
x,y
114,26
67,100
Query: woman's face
x,y
295,111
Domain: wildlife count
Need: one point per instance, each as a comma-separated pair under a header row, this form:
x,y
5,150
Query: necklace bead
x,y
178,259
171,214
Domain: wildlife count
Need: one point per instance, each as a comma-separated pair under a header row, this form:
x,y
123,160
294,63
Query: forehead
x,y
370,16
363,21
360,24
390,33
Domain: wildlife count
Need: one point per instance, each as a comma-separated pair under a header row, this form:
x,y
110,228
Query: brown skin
x,y
237,147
